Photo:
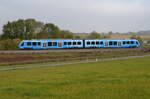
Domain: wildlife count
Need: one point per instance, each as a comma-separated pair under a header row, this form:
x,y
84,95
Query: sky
x,y
81,15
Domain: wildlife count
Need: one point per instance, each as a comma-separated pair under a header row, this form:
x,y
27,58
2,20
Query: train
x,y
71,43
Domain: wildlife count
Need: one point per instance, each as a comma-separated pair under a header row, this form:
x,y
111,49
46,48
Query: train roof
x,y
73,39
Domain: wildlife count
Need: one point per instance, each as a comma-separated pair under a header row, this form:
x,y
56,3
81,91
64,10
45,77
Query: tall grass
x,y
9,44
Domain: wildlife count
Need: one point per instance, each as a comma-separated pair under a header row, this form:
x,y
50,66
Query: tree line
x,y
32,29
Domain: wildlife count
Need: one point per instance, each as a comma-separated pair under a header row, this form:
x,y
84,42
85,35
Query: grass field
x,y
119,79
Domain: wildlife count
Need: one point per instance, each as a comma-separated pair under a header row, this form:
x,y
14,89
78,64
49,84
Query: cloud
x,y
81,15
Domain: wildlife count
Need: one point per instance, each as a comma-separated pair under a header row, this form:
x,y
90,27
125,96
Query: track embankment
x,y
74,50
67,63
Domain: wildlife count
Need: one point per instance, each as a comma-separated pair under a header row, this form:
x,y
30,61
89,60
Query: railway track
x,y
74,50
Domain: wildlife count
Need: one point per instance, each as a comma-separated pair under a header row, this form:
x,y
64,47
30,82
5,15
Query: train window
x,y
69,43
132,42
28,43
119,44
65,43
97,42
93,43
110,43
128,42
88,43
22,44
124,42
49,43
137,42
54,43
101,43
34,43
39,43
79,43
115,43
74,43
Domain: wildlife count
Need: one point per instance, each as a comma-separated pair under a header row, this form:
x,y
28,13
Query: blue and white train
x,y
62,44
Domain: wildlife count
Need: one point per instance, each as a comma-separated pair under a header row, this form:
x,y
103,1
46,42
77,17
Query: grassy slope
x,y
121,79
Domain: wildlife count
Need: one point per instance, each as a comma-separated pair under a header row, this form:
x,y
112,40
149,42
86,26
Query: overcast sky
x,y
81,15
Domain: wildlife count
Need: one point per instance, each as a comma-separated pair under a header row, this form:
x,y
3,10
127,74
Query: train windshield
x,y
22,44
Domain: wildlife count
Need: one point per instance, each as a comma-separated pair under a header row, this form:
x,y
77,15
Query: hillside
x,y
144,32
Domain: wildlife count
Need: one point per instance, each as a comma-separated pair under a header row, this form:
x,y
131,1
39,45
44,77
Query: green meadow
x,y
118,79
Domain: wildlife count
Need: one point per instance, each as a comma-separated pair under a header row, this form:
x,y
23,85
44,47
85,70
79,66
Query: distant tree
x,y
8,31
9,44
77,37
66,34
51,30
137,38
32,29
109,34
23,29
94,35
42,35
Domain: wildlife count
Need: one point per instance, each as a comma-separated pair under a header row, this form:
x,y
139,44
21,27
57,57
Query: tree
x,y
137,38
110,34
42,35
77,37
32,29
51,30
23,29
94,35
66,34
7,29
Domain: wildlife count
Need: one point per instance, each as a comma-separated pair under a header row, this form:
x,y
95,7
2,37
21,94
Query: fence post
x,y
87,59
96,60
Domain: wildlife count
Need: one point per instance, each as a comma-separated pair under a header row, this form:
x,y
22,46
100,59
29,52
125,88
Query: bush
x,y
9,44
94,35
137,38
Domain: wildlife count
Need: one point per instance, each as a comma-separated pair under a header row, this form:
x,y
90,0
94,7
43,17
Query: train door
x,y
44,45
119,44
106,44
59,44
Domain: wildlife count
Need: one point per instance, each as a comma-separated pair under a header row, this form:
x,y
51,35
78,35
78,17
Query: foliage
x,y
66,34
109,34
94,35
32,29
51,30
138,38
77,37
9,44
22,29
